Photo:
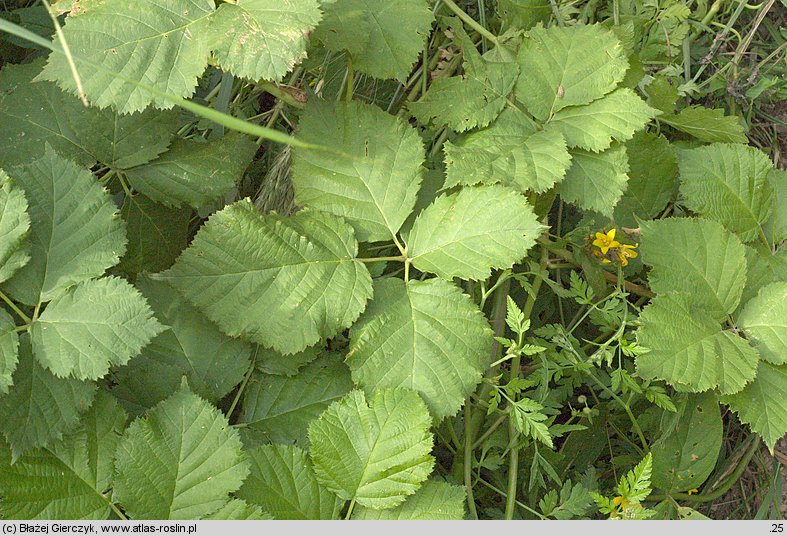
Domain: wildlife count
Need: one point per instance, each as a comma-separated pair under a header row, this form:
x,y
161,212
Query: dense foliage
x,y
389,259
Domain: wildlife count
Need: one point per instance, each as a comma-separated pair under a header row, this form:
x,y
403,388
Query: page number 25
x,y
777,527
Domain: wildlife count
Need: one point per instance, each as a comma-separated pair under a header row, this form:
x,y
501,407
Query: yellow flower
x,y
693,491
606,241
626,252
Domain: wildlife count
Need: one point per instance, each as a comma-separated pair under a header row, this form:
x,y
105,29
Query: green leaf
x,y
91,327
652,174
14,228
686,456
710,125
689,350
762,404
375,454
424,335
372,180
179,462
284,283
524,14
238,510
41,407
510,152
383,37
156,235
727,183
194,173
263,39
191,346
280,408
616,116
272,362
468,233
75,231
34,114
764,319
762,268
172,38
68,479
698,257
9,351
776,227
282,482
473,99
435,500
596,181
568,66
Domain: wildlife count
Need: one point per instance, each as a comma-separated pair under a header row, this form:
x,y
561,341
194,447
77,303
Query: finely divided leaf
x,y
282,482
568,66
14,228
191,346
710,125
9,351
162,44
181,461
689,350
75,231
372,180
435,500
727,183
383,37
696,256
468,233
376,454
280,408
762,404
68,480
764,319
263,39
424,335
41,407
596,181
36,113
91,327
510,152
195,173
616,116
284,283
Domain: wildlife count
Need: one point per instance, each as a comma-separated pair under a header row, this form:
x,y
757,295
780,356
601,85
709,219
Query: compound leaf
x,y
709,125
41,407
162,44
764,319
282,482
435,500
284,283
593,127
696,256
14,228
689,349
596,181
92,326
194,173
727,183
68,479
424,335
280,408
263,39
376,454
181,461
190,346
9,350
468,233
568,66
75,231
762,404
383,37
374,182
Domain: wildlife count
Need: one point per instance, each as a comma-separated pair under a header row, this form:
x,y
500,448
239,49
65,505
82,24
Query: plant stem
x,y
470,21
468,460
625,406
14,308
350,509
350,79
400,258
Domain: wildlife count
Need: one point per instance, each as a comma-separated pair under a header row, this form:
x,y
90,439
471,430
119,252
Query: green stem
x,y
470,21
14,308
400,258
350,509
468,461
350,79
625,406
242,387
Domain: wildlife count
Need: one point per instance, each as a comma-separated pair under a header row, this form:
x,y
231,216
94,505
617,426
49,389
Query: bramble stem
x,y
470,21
